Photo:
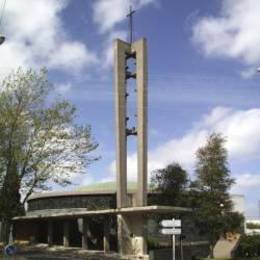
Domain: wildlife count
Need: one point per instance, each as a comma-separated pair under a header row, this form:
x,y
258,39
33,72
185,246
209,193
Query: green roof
x,y
100,186
108,186
94,188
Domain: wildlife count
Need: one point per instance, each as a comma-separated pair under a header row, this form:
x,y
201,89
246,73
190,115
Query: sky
x,y
202,61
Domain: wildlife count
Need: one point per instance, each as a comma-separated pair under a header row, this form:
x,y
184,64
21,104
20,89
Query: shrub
x,y
253,226
249,246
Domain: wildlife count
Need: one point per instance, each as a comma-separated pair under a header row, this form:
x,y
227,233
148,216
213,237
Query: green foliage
x,y
153,243
233,222
253,226
39,142
208,194
213,214
249,246
212,166
170,184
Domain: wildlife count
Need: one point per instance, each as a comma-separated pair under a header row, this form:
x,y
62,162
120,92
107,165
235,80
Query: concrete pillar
x,y
124,236
85,234
132,240
106,244
140,48
50,233
139,242
120,50
66,233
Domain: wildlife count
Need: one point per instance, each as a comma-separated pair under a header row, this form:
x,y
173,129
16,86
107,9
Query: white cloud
x,y
240,127
109,13
248,72
108,52
86,180
37,37
235,33
63,88
72,56
246,182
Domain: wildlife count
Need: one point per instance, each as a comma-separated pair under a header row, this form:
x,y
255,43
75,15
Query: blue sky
x,y
202,61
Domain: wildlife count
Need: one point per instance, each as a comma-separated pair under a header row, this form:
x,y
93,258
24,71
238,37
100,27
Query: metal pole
x,y
173,247
181,247
130,15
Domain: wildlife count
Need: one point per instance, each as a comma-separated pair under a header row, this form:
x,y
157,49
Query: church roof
x,y
99,188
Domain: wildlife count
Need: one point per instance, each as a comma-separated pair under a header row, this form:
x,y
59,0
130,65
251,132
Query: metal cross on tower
x,y
130,15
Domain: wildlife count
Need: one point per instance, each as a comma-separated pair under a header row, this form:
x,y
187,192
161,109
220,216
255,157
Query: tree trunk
x,y
211,248
10,204
5,231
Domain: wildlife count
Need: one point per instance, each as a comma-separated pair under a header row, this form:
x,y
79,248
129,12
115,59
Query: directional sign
x,y
171,223
177,223
167,223
170,231
171,227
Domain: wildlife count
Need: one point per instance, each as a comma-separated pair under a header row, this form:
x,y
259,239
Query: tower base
x,y
131,235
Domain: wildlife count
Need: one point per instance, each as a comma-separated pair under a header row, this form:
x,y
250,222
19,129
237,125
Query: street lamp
x,y
2,39
221,206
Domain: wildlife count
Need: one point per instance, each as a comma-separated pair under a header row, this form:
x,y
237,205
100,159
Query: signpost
x,y
171,227
168,231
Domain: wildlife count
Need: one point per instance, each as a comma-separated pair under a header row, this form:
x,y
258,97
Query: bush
x,y
249,246
253,226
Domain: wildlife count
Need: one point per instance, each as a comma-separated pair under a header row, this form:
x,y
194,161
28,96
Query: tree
x,y
39,142
214,215
169,184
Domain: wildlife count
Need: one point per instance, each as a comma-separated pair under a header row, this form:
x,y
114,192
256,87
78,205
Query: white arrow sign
x,y
171,223
167,223
177,223
170,231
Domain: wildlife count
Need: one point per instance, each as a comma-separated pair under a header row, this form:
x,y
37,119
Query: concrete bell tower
x,y
123,53
131,228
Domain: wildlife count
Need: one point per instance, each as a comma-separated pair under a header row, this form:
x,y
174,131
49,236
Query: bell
x,y
2,39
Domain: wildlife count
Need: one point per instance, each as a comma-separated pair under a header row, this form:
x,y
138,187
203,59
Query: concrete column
x,y
106,244
123,236
139,242
66,233
85,234
50,233
120,50
140,49
132,240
